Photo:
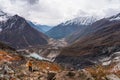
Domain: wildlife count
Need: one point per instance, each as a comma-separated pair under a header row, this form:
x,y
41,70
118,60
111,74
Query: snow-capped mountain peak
x,y
13,23
87,20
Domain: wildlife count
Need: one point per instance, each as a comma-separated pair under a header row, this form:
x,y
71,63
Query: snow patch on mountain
x,y
114,58
106,63
115,17
4,16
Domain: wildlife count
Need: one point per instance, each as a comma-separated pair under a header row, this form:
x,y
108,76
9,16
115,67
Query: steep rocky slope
x,y
17,33
99,24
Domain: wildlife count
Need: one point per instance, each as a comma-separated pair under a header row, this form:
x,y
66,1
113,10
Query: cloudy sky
x,y
52,12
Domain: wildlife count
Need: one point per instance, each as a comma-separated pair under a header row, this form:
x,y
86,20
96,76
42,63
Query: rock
x,y
73,75
70,74
6,69
112,77
51,76
87,74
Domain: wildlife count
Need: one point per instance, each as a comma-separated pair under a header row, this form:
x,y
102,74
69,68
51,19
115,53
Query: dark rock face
x,y
99,40
17,33
3,46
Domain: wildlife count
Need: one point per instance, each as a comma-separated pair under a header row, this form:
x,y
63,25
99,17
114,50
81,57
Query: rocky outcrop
x,y
112,77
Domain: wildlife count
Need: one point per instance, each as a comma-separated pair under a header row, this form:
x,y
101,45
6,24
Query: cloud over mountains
x,y
52,12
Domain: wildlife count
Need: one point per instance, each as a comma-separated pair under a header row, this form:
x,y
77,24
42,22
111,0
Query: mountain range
x,y
99,40
67,28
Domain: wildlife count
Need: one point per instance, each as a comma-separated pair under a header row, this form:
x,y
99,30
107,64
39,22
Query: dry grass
x,y
99,72
45,65
5,57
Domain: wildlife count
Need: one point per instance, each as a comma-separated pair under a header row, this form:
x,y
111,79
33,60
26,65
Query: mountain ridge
x,y
16,29
101,40
65,29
